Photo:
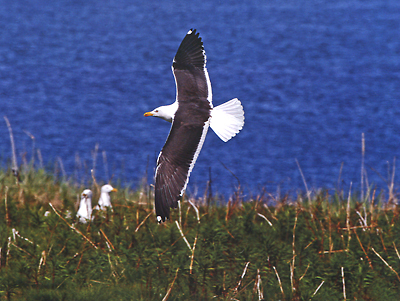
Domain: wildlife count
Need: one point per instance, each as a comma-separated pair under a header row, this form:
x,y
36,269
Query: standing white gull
x,y
105,200
85,207
191,115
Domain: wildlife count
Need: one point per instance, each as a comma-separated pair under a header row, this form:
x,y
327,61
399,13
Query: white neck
x,y
168,112
85,208
105,200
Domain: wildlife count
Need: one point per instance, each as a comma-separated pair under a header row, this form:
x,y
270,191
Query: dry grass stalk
x,y
186,217
269,210
257,286
391,185
356,227
42,261
108,241
19,248
79,262
264,217
223,282
112,267
105,164
381,237
294,254
304,272
348,218
192,257
310,243
362,247
180,212
397,252
230,234
228,209
14,166
183,235
6,208
8,250
319,286
242,276
196,210
143,221
72,227
362,166
100,282
323,234
280,283
332,251
137,219
371,207
92,171
64,174
330,229
363,221
344,285
384,261
305,183
170,288
16,233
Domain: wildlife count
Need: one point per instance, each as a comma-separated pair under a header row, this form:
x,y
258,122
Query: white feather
x,y
85,207
227,119
196,154
105,199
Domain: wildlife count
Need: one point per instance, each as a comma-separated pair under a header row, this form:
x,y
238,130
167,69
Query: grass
x,y
318,246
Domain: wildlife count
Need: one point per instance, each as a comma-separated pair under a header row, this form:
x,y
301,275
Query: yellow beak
x,y
115,189
148,114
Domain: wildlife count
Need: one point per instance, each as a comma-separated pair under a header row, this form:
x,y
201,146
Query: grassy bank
x,y
330,246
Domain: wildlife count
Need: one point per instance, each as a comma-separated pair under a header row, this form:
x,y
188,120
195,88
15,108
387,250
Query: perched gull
x,y
85,207
191,115
105,200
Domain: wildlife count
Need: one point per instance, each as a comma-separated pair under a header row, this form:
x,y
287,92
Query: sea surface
x,y
313,76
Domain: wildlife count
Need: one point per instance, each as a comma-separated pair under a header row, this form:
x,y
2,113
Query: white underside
x,y
85,210
227,119
104,202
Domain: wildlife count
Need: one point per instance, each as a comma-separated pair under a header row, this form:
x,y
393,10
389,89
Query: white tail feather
x,y
227,119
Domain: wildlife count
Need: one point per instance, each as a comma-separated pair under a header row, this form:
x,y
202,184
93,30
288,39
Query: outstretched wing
x,y
190,72
189,127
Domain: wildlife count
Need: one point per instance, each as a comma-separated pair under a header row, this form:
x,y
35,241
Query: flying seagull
x,y
105,200
85,207
191,115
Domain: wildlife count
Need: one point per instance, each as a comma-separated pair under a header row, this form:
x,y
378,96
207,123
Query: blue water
x,y
312,77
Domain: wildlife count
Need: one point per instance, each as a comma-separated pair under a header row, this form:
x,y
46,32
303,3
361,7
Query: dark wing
x,y
189,68
189,127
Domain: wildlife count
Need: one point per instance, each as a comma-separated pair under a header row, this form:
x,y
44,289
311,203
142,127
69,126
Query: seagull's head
x,y
164,112
86,194
108,188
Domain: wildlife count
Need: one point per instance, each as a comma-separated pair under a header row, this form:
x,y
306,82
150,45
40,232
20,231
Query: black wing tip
x,y
163,209
162,213
190,52
193,32
161,219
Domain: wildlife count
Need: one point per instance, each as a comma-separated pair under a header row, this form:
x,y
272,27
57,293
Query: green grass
x,y
234,251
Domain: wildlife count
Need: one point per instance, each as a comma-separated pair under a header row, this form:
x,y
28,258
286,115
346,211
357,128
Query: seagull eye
x,y
156,111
